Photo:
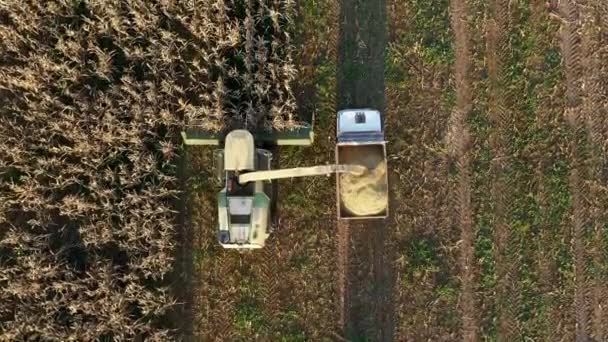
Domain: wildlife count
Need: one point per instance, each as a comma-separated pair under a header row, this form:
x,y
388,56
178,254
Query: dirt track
x,y
594,51
366,272
499,101
571,50
458,145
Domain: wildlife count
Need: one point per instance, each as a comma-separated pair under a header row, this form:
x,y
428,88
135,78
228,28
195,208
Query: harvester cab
x,y
247,202
244,210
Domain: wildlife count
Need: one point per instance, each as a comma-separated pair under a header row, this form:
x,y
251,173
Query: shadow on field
x,y
181,317
367,295
361,48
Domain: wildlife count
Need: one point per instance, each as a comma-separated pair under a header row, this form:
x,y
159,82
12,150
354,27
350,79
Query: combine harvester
x,y
247,203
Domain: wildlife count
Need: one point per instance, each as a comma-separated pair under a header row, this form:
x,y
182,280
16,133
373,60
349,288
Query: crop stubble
x,y
425,293
548,162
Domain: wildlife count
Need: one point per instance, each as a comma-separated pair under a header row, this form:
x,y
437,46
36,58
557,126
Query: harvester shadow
x,y
181,316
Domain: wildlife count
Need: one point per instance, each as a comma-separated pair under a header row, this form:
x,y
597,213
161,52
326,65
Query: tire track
x,y
221,311
496,48
459,145
269,278
342,288
546,263
593,103
571,51
366,282
215,271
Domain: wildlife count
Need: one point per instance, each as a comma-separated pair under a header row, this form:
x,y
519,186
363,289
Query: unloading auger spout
x,y
301,172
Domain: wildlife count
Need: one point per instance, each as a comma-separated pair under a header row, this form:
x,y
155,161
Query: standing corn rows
x,y
91,96
246,48
86,175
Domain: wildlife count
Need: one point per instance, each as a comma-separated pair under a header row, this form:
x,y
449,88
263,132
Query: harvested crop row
x,y
499,104
549,161
417,81
211,307
458,144
574,115
594,107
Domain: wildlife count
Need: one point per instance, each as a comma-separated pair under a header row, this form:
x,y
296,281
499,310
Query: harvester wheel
x,y
274,215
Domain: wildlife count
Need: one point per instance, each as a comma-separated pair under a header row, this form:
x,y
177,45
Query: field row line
x,y
580,44
459,146
499,113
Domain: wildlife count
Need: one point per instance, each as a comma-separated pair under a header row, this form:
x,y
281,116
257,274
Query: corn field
x,y
495,113
92,98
